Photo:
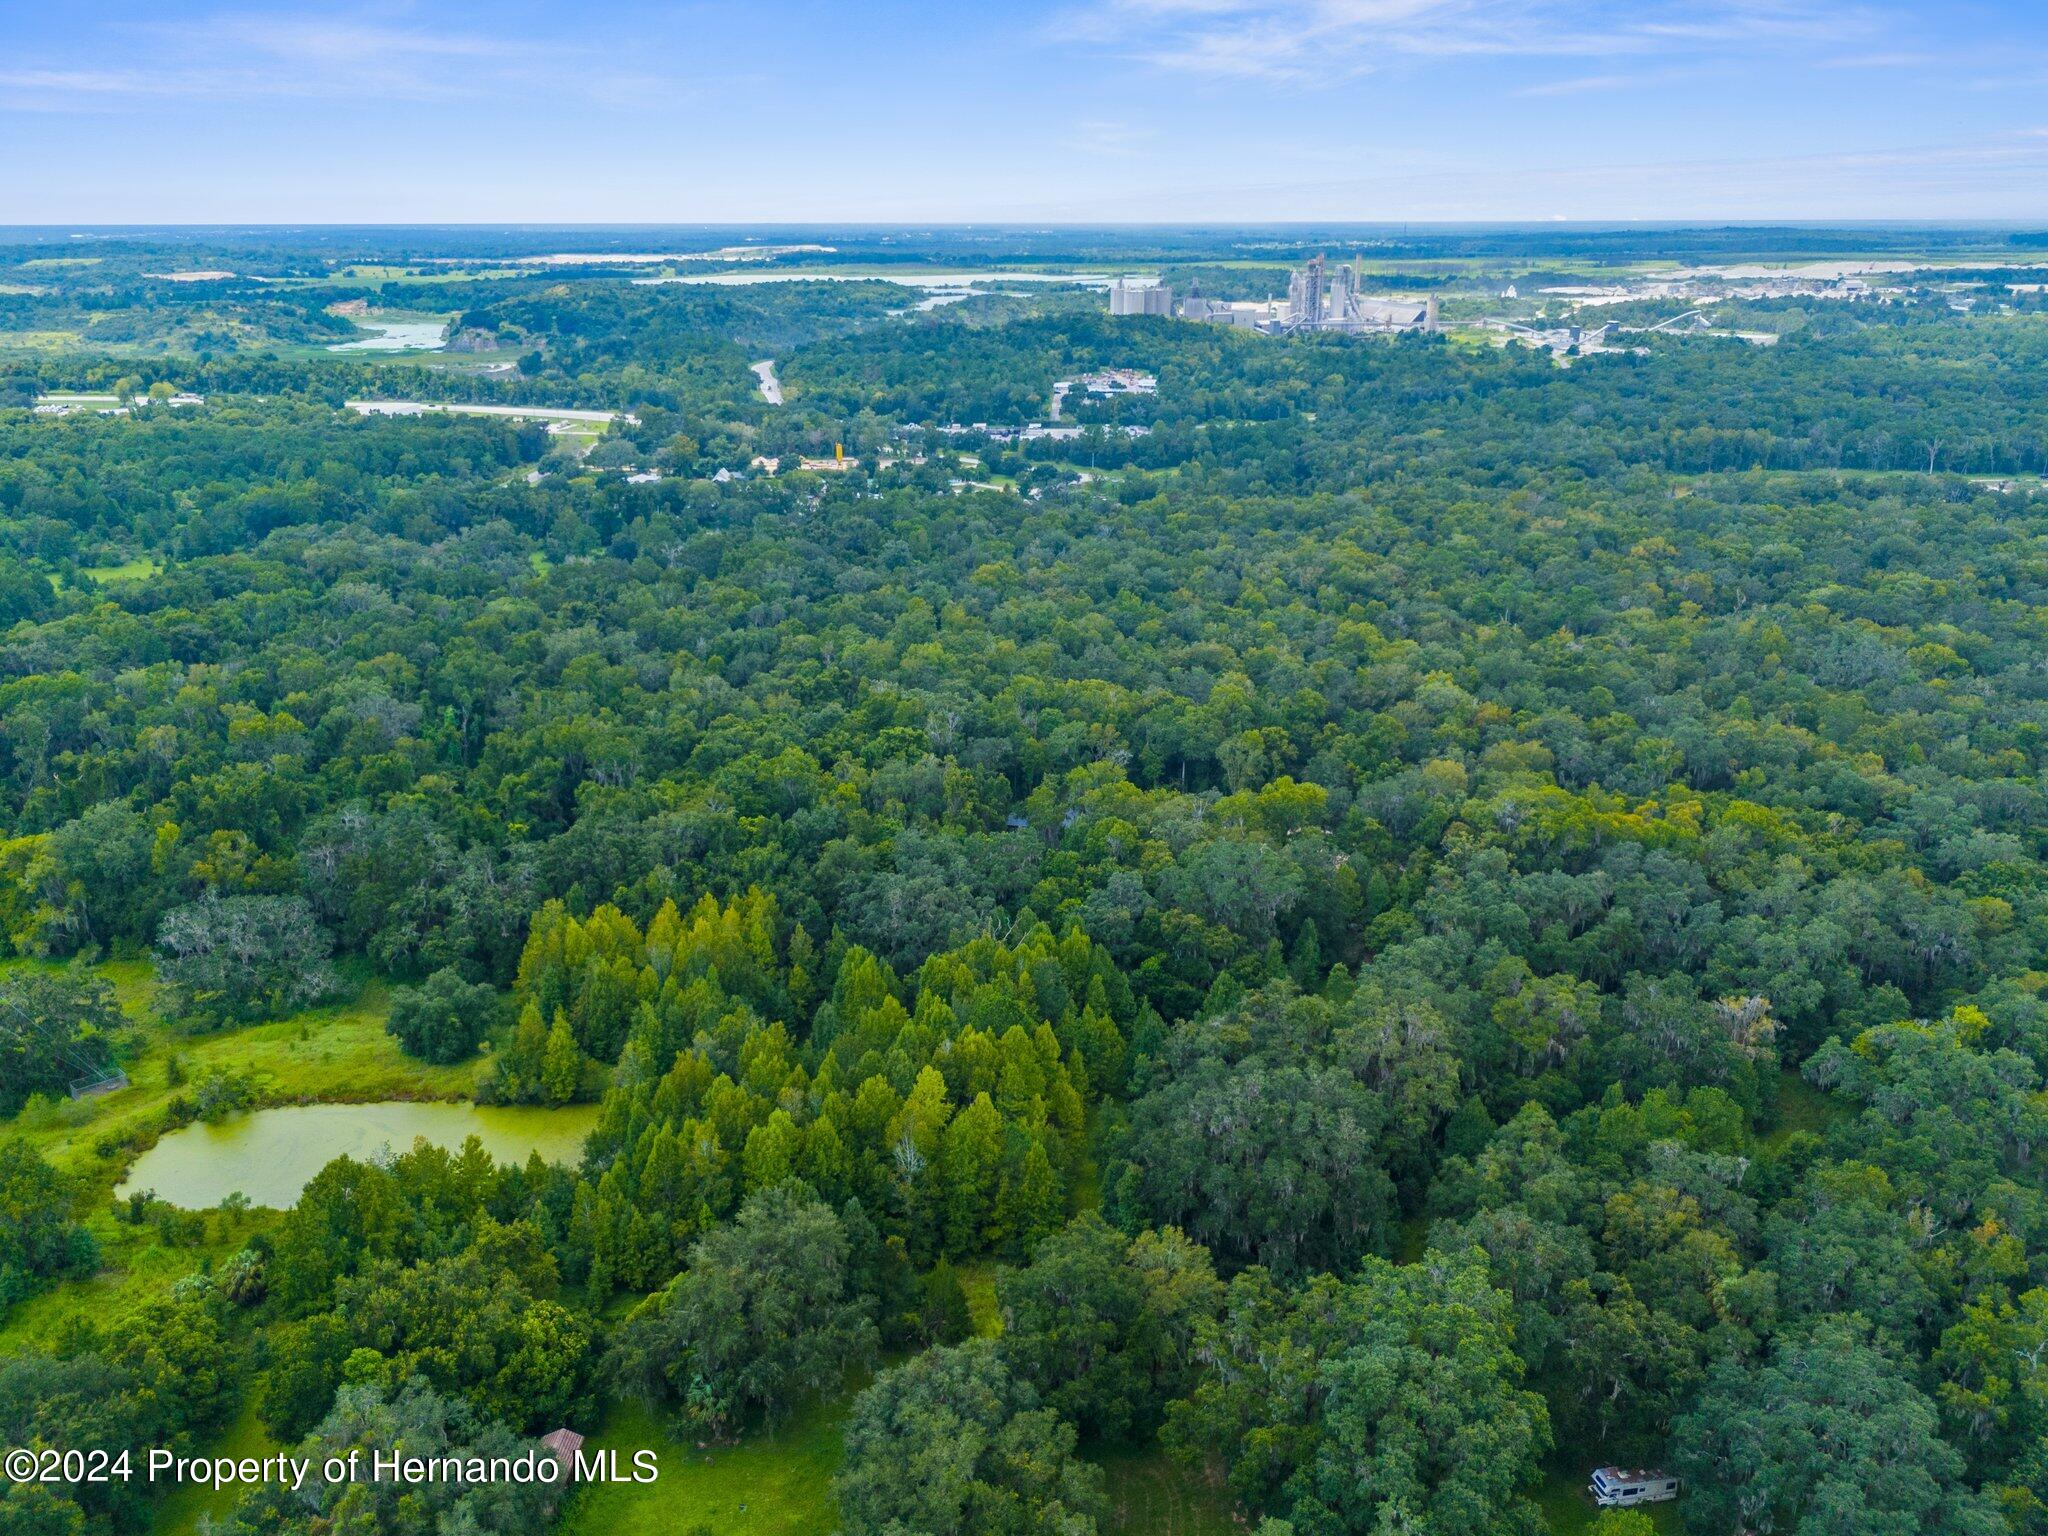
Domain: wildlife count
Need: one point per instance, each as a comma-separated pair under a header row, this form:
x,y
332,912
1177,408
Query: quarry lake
x,y
388,335
270,1155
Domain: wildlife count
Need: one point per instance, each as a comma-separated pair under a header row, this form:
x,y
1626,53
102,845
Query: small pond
x,y
271,1155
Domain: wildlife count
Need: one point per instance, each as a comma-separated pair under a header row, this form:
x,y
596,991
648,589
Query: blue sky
x,y
1098,110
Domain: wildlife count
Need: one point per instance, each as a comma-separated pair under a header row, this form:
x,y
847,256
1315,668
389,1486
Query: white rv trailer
x,y
1617,1488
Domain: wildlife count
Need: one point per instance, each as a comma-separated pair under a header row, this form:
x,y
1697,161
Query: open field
x,y
135,1265
141,568
780,1485
373,273
768,1485
42,341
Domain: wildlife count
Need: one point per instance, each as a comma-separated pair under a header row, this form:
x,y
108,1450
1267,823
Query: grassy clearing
x,y
135,1265
768,1485
780,1485
141,568
576,437
42,341
337,1053
1568,1510
1151,1495
1801,1107
373,273
180,1512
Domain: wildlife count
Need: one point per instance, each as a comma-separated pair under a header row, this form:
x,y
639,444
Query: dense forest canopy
x,y
1386,924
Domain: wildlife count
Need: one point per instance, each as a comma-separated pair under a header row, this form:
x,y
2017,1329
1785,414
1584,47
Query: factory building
x,y
1320,297
1130,297
1251,314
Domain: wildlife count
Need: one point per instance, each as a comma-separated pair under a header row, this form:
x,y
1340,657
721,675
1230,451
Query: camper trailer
x,y
1614,1488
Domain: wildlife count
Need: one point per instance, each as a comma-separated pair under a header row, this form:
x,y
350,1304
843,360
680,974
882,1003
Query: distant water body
x,y
900,279
397,336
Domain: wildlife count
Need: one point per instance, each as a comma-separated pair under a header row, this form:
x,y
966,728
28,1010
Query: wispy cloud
x,y
1308,41
239,56
1582,85
1101,136
1971,64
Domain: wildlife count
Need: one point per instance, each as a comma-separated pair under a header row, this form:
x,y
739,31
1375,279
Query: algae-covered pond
x,y
270,1155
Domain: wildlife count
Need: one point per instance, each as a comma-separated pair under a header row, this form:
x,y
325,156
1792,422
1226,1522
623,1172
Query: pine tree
x,y
771,1153
1307,964
1030,1204
561,1069
803,954
973,1163
517,1071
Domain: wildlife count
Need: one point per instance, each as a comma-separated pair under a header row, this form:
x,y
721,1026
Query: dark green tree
x,y
951,1444
762,1318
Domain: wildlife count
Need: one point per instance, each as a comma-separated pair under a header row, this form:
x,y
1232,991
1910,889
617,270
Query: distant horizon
x,y
608,226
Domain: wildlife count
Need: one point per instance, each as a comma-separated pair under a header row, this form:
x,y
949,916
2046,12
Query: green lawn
x,y
768,1485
